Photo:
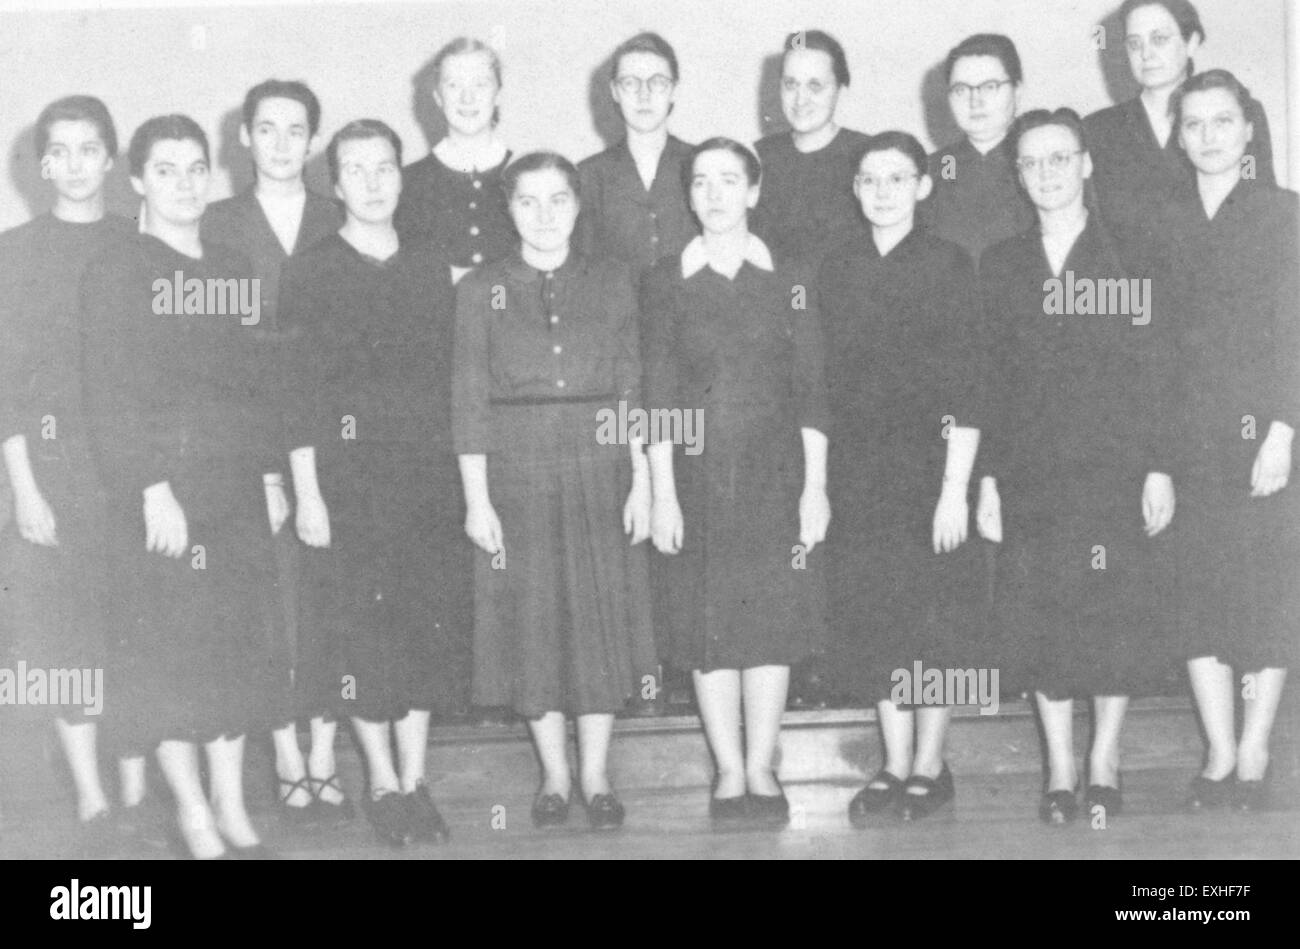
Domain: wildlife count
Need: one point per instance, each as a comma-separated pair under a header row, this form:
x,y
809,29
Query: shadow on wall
x,y
939,123
38,196
771,117
427,114
1112,59
605,116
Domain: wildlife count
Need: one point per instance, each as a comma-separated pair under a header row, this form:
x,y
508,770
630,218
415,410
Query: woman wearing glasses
x,y
1232,246
902,369
806,207
1079,461
733,337
634,208
1139,165
977,200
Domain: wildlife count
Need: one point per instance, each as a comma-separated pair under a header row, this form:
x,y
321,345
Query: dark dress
x,y
1077,401
240,221
563,622
1134,177
390,592
806,206
622,219
1235,295
977,200
464,214
52,599
903,359
178,398
740,352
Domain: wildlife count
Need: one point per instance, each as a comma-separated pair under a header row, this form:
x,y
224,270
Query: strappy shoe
x,y
871,802
330,812
288,812
1058,807
936,793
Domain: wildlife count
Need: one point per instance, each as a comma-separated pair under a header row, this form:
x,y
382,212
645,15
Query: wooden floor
x,y
993,818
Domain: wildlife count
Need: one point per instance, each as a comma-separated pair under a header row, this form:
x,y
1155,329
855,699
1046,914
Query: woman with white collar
x,y
733,342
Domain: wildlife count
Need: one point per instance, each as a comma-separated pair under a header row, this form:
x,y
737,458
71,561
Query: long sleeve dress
x,y
621,218
1233,287
178,398
52,599
463,214
1134,177
562,621
1080,415
806,206
746,354
903,364
389,595
239,221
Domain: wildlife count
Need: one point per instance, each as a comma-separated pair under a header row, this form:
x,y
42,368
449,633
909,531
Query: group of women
x,y
863,329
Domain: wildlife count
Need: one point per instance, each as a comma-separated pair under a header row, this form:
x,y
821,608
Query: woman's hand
x,y
666,525
951,516
483,527
1272,468
313,520
277,504
1157,502
814,517
988,511
34,517
636,511
165,530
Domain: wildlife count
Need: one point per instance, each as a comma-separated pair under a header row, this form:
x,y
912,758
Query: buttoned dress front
x,y
562,617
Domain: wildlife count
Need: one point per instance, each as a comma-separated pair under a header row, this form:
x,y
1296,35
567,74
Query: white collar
x,y
696,257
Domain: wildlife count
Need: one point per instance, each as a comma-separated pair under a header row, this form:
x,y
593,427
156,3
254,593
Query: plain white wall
x,y
360,58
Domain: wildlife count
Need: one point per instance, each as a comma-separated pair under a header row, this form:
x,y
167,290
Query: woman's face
x,y
174,183
279,139
983,98
888,186
467,92
370,179
721,193
76,159
544,209
1213,130
644,89
1052,167
1157,52
808,90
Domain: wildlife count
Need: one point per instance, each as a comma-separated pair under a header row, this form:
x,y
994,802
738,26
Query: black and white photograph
x,y
684,430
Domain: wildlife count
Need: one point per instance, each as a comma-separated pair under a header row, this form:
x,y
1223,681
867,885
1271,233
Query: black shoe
x,y
870,801
295,815
770,810
1251,796
550,810
1058,807
1209,793
425,821
605,812
97,837
937,792
1110,799
330,813
389,817
727,811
